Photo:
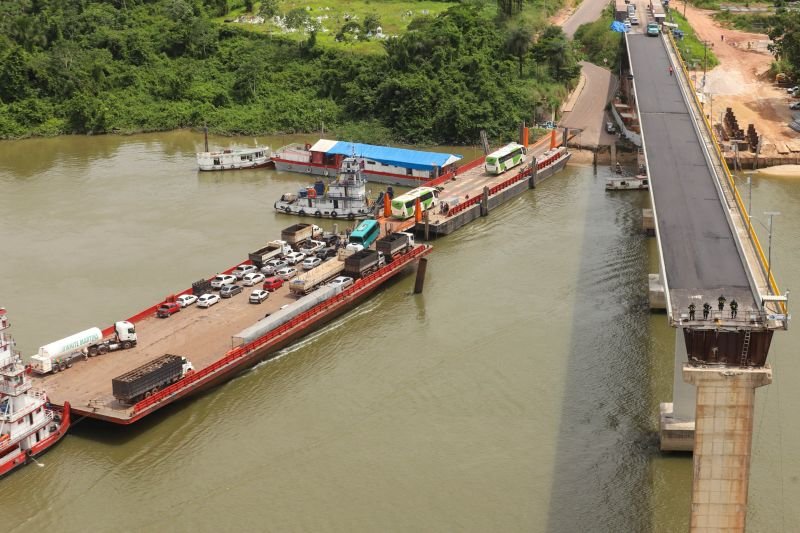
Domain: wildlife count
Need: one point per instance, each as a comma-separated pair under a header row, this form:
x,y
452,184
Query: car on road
x,y
311,262
272,284
294,257
185,300
241,270
286,273
652,29
167,309
253,278
634,20
341,281
274,264
610,128
258,296
792,90
795,106
207,300
220,280
229,291
627,23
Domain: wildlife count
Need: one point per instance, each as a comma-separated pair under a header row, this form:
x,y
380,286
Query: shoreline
x,y
783,171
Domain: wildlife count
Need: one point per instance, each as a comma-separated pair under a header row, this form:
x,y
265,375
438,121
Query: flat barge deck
x,y
206,338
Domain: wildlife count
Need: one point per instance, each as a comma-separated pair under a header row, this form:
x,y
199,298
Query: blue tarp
x,y
400,157
618,27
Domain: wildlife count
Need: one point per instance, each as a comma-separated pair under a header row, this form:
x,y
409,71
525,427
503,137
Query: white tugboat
x,y
345,197
28,425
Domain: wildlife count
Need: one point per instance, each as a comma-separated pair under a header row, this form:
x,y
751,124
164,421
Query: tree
x,y
268,8
509,7
249,5
518,43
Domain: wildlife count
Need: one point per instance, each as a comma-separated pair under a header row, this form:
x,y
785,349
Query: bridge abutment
x,y
677,424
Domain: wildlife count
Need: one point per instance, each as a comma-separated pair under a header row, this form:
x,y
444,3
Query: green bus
x,y
365,233
506,157
403,206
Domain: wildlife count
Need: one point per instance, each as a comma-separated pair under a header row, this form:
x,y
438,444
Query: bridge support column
x,y
677,418
655,292
723,438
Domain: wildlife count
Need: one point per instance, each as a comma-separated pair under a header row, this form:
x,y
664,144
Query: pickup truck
x,y
311,246
167,309
272,250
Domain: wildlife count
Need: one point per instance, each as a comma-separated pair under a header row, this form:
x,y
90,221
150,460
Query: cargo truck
x,y
61,354
297,233
146,380
272,250
315,277
395,244
363,263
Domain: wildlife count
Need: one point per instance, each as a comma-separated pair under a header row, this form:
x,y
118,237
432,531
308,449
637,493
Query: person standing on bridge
x,y
706,310
670,70
734,307
691,311
721,301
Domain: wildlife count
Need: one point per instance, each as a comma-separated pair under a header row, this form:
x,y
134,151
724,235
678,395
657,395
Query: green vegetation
x,y
751,22
784,30
601,45
693,52
98,66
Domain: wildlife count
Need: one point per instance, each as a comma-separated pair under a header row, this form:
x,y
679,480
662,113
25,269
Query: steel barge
x,y
203,336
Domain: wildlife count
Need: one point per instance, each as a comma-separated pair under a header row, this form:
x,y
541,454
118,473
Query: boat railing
x,y
14,389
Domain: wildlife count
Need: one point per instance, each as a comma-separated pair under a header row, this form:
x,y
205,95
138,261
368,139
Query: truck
x,y
363,263
297,233
61,354
395,244
146,380
315,277
272,250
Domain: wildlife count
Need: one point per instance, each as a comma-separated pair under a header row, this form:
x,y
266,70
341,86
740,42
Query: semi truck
x,y
315,277
61,354
395,244
146,380
297,233
363,263
272,250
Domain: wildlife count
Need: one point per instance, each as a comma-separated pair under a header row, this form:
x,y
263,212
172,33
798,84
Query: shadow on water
x,y
607,438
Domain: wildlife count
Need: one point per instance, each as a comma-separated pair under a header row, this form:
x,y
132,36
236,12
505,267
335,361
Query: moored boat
x,y
234,159
28,424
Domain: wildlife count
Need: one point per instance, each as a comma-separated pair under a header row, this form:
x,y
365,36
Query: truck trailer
x,y
297,233
272,250
61,354
315,277
149,378
395,244
363,263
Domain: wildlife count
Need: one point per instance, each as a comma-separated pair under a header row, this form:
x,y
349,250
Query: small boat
x,y
235,159
28,424
344,197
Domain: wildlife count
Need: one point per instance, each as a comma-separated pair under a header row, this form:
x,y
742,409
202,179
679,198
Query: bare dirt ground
x,y
741,83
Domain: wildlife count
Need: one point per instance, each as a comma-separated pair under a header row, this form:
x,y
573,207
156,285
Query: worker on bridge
x,y
706,310
691,311
734,307
721,301
670,70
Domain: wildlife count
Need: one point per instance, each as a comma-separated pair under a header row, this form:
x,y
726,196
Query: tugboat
x,y
344,197
28,424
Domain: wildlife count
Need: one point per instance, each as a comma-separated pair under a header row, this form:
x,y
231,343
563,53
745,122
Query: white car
x,y
272,265
242,270
795,106
634,20
341,281
253,278
207,300
294,257
220,280
311,262
286,273
258,296
185,300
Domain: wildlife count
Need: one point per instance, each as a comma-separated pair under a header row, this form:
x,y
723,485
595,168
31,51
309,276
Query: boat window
x,y
408,172
216,161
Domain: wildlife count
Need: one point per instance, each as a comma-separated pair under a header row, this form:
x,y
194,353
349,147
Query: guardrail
x,y
241,351
740,204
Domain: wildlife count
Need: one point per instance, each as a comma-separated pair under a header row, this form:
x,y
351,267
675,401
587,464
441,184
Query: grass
x,y
692,50
753,22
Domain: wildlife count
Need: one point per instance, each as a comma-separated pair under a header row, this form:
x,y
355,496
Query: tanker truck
x,y
61,354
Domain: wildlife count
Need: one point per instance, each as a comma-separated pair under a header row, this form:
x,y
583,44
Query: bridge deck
x,y
700,255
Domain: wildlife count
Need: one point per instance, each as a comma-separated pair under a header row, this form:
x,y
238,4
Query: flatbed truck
x,y
315,277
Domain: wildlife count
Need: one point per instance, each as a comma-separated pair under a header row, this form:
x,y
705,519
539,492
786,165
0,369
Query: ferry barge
x,y
204,337
383,164
29,425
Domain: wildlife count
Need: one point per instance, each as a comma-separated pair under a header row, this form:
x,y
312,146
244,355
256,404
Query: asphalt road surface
x,y
700,254
588,11
588,113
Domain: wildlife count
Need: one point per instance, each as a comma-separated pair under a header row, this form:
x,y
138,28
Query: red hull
x,y
21,457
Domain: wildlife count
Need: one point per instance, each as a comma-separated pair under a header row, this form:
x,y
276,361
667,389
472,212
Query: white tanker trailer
x,y
61,354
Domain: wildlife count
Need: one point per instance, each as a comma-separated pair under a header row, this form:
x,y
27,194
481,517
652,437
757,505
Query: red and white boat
x,y
28,424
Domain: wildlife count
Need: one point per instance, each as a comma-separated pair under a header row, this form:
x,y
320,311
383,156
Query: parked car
x,y
311,246
792,90
627,23
258,296
230,290
311,262
286,273
634,20
220,280
274,264
330,240
341,281
610,128
241,270
272,284
207,300
253,278
167,309
326,253
795,106
185,300
652,29
295,257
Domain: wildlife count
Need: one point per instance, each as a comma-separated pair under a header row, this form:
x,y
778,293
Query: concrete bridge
x,y
708,251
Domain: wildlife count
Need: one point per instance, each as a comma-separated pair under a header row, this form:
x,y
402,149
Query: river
x,y
520,392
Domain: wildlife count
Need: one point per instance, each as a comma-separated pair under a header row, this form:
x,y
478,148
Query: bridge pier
x,y
677,424
656,293
723,438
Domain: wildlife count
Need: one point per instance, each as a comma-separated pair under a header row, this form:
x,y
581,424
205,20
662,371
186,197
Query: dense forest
x,y
102,66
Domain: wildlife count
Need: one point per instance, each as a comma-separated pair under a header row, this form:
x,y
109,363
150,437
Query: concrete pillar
x,y
677,424
648,222
485,202
655,293
723,438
